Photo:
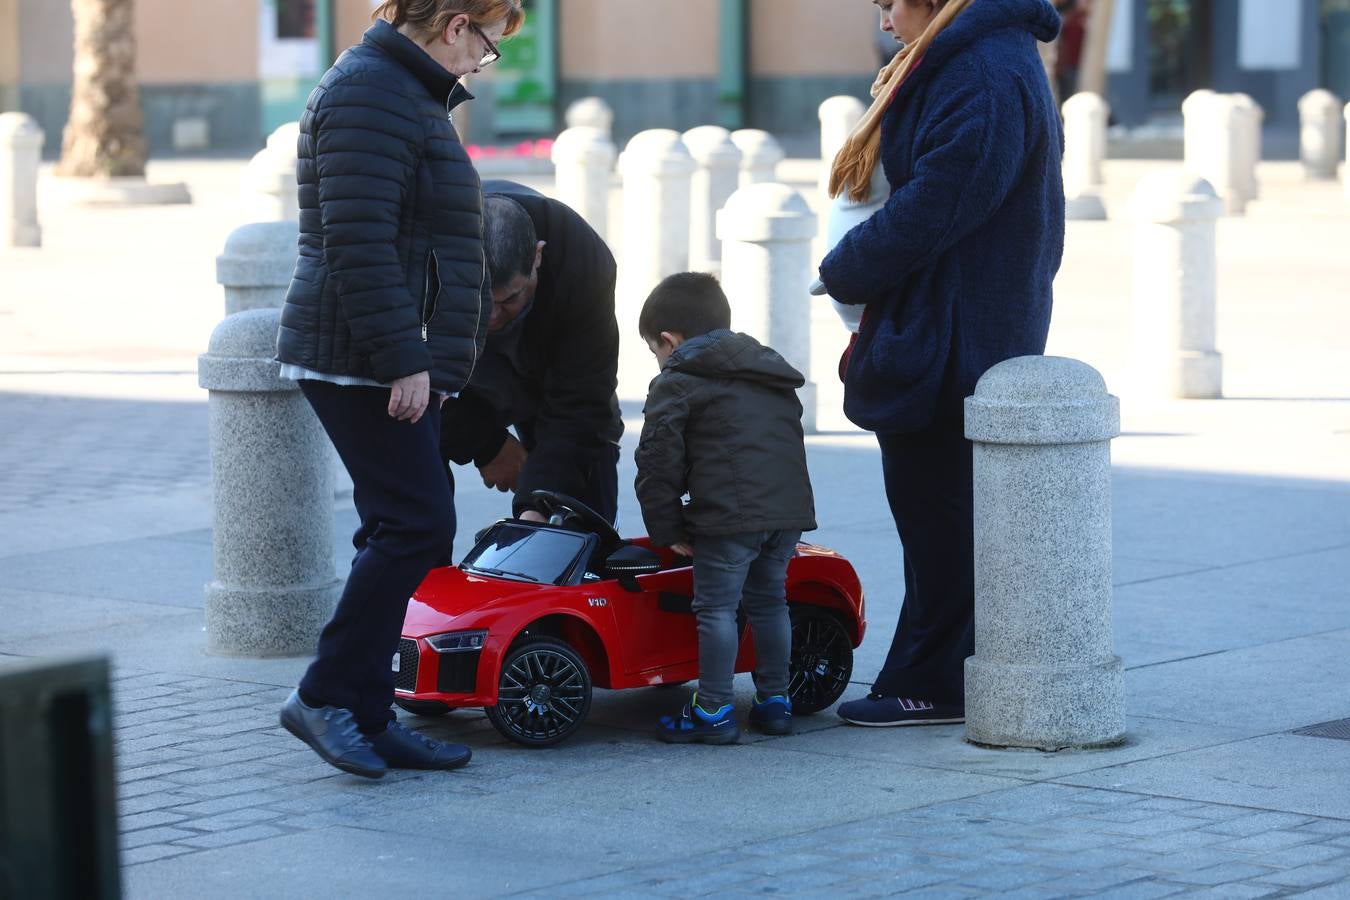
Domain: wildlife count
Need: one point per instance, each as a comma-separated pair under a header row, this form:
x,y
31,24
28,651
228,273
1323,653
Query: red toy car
x,y
538,614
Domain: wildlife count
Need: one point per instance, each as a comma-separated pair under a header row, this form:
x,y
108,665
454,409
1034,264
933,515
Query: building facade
x,y
216,77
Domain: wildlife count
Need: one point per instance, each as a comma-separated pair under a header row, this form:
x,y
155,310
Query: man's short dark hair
x,y
687,304
508,239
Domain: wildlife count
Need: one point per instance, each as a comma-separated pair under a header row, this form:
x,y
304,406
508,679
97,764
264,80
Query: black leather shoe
x,y
403,748
331,732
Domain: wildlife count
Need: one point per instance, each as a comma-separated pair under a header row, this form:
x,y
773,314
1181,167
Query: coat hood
x,y
984,17
729,354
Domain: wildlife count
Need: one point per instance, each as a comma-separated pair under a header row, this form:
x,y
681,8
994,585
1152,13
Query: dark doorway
x,y
1180,50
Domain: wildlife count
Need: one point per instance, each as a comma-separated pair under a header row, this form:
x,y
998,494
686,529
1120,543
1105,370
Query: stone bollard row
x,y
256,266
1174,306
270,176
20,156
714,180
1085,118
583,159
1319,134
766,232
760,155
590,112
1222,145
273,584
1045,674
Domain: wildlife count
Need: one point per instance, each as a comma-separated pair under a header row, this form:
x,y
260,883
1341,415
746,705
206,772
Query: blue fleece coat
x,y
956,269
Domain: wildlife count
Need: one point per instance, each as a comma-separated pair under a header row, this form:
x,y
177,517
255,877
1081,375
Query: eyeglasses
x,y
491,54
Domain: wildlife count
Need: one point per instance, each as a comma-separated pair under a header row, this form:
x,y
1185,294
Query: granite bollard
x,y
273,584
271,176
590,112
766,232
583,158
1251,119
1045,674
1085,118
20,155
256,266
760,155
1319,134
838,116
1214,133
1174,306
715,180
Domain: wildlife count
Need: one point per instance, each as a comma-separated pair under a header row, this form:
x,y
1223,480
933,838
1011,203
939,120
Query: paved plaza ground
x,y
1232,613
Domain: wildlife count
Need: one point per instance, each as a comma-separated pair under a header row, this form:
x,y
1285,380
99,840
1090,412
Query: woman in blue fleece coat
x,y
954,274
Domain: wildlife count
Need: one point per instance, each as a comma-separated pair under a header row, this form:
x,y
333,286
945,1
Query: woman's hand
x,y
683,548
408,397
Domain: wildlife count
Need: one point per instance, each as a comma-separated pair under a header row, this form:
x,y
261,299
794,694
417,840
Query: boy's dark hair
x,y
687,304
508,239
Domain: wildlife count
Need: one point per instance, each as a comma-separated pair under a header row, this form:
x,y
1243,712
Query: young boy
x,y
723,424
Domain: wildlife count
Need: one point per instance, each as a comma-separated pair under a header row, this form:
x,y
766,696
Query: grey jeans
x,y
734,571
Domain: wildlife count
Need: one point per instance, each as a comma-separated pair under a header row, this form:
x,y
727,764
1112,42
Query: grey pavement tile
x,y
148,819
1002,878
158,835
1331,827
118,571
1268,840
153,770
1309,876
146,802
151,852
1146,889
1304,854
1222,874
236,819
1280,772
145,786
253,785
231,837
1177,840
1260,822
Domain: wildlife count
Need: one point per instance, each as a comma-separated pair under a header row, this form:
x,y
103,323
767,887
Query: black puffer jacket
x,y
723,423
390,280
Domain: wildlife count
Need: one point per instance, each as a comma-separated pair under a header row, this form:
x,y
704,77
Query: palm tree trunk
x,y
103,136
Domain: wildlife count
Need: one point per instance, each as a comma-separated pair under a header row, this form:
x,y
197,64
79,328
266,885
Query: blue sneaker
x,y
695,725
772,715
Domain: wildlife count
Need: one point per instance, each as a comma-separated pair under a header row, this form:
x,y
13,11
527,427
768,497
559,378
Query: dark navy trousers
x,y
407,526
928,485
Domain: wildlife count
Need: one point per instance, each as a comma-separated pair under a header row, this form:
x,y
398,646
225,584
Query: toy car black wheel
x,y
822,659
426,708
543,694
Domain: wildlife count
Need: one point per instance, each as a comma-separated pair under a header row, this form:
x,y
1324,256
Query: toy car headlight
x,y
457,641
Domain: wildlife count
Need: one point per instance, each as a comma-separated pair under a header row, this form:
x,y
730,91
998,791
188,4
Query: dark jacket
x,y
557,377
723,424
390,279
956,269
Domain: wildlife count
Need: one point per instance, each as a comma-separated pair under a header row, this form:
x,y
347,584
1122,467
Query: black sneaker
x,y
403,748
880,711
772,715
331,732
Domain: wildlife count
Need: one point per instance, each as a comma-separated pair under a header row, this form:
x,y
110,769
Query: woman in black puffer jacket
x,y
386,315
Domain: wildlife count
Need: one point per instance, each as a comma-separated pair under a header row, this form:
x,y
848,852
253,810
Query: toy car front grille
x,y
405,679
458,673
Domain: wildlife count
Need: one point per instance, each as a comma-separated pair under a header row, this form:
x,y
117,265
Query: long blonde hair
x,y
857,158
431,16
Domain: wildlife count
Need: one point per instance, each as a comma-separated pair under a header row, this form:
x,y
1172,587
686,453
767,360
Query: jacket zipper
x,y
427,296
482,280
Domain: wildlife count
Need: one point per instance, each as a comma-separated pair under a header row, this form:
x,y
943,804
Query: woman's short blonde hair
x,y
431,16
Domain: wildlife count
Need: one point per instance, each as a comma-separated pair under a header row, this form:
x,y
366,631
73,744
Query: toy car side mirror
x,y
630,561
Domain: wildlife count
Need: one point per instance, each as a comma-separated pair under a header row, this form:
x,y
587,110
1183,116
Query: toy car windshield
x,y
531,553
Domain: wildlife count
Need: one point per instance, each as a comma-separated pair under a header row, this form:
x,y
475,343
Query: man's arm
x,y
661,462
971,157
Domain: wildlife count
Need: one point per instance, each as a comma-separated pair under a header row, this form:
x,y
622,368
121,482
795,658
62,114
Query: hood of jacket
x,y
984,17
439,82
729,354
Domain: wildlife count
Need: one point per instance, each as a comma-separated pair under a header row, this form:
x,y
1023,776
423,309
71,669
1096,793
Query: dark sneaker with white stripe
x,y
880,711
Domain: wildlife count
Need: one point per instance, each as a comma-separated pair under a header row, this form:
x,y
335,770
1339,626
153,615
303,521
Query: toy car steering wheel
x,y
562,507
